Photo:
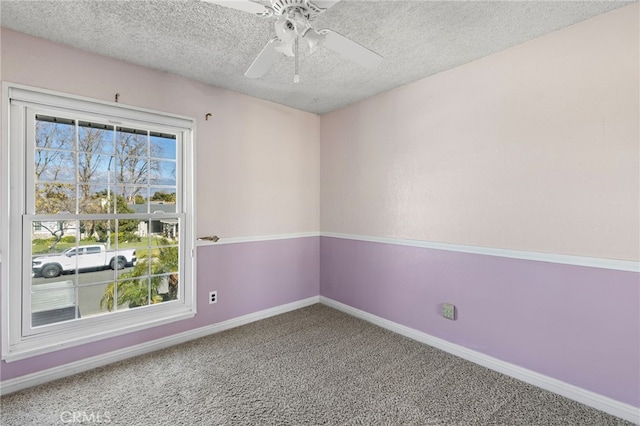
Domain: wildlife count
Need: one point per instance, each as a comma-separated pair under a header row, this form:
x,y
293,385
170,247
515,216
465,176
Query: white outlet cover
x,y
213,297
449,311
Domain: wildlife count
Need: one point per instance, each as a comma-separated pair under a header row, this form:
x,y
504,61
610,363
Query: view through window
x,y
97,244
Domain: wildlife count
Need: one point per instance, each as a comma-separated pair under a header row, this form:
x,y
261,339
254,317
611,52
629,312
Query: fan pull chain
x,y
296,76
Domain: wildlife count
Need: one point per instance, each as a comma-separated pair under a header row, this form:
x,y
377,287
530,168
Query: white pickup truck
x,y
81,258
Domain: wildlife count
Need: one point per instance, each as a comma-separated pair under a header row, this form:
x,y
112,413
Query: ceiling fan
x,y
293,22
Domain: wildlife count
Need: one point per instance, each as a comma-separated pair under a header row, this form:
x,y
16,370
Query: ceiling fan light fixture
x,y
286,33
313,39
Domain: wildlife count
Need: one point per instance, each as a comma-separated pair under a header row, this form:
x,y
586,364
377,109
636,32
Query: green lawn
x,y
42,246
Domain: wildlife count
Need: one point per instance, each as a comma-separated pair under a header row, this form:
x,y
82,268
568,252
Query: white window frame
x,y
17,102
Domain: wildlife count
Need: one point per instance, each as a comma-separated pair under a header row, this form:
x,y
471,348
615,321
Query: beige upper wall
x,y
257,162
535,148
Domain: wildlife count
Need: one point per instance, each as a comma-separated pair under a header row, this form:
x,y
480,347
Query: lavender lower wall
x,y
576,324
248,277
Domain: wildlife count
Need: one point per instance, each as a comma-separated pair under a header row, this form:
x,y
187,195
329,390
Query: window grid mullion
x,y
77,156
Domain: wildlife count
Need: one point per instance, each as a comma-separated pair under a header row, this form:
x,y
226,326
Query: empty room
x,y
301,212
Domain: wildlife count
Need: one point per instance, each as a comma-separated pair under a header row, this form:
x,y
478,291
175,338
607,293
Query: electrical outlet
x,y
449,311
213,297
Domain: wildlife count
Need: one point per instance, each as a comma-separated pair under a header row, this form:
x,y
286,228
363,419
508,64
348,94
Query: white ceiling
x,y
215,45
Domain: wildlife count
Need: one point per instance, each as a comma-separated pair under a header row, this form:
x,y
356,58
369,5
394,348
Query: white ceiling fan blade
x,y
263,61
350,49
244,5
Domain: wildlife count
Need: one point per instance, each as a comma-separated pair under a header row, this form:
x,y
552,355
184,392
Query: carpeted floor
x,y
308,367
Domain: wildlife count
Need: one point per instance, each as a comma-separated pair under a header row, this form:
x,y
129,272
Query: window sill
x,y
39,345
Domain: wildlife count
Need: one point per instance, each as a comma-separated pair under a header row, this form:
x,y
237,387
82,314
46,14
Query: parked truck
x,y
82,258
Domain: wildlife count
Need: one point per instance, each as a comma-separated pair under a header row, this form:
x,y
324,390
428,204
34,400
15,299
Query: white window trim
x,y
15,346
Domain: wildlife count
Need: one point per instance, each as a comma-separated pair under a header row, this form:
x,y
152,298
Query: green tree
x,y
163,196
142,285
126,227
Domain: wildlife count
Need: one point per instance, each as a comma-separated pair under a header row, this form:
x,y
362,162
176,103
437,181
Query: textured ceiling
x,y
215,44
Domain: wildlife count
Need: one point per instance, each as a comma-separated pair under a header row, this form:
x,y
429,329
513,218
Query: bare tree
x,y
73,165
51,140
54,198
53,144
91,143
134,163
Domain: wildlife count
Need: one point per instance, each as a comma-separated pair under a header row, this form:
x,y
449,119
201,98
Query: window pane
x,y
46,235
95,138
140,194
122,294
132,163
165,231
128,232
163,199
132,198
92,198
133,195
165,259
132,143
55,133
96,168
163,146
131,173
92,167
45,245
53,302
170,229
164,173
54,166
55,198
165,287
90,299
132,293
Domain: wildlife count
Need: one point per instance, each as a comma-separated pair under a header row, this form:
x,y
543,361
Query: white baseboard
x,y
591,399
44,376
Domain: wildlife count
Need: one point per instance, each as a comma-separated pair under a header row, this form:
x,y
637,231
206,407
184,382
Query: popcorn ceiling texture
x,y
215,45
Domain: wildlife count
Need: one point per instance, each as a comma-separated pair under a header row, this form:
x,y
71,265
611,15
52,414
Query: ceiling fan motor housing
x,y
280,7
293,21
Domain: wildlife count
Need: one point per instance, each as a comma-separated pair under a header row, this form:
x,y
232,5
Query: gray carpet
x,y
308,367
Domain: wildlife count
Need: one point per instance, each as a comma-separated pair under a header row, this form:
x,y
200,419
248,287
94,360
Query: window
x,y
100,225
